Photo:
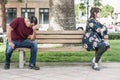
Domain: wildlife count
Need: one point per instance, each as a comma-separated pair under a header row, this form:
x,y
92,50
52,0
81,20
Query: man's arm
x,y
33,36
8,33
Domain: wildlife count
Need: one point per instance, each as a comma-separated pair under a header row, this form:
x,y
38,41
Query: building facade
x,y
38,8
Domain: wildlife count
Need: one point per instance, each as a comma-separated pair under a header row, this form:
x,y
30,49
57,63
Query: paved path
x,y
62,71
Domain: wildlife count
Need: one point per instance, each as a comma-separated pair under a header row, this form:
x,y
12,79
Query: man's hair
x,y
33,19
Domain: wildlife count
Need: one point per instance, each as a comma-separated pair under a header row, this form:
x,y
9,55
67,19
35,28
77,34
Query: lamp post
x,y
26,14
87,9
86,3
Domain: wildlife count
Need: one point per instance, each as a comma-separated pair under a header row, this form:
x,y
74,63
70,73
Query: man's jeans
x,y
23,44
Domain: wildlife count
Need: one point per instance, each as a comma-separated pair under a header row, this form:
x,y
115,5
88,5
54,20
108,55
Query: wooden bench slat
x,y
59,36
58,41
60,32
106,37
66,49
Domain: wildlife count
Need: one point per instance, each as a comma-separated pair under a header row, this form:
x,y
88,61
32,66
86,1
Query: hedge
x,y
113,36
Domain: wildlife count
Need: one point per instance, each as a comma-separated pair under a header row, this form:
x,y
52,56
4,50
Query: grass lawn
x,y
112,55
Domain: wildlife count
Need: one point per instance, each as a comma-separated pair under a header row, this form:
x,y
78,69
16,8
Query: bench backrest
x,y
60,37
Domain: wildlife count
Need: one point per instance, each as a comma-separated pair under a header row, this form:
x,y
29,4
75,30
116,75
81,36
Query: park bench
x,y
55,37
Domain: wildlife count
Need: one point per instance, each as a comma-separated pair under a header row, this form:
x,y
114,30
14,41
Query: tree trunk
x,y
3,16
62,15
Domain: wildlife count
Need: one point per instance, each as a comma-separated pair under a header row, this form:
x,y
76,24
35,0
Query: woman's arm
x,y
97,27
93,26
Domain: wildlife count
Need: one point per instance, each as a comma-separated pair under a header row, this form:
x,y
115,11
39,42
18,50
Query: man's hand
x,y
11,44
35,27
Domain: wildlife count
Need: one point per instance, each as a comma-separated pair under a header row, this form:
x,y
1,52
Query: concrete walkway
x,y
62,71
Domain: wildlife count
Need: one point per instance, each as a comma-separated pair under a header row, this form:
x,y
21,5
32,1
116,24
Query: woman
x,y
94,37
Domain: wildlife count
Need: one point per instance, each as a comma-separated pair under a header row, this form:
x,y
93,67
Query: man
x,y
17,37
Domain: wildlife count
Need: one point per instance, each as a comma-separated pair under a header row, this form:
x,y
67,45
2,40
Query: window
x,y
10,14
30,11
44,15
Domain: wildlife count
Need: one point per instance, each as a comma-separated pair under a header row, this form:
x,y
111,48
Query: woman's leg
x,y
99,52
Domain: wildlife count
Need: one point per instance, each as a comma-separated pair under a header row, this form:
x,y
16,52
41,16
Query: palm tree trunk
x,y
62,15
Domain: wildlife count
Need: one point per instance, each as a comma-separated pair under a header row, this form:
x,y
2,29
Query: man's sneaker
x,y
33,66
7,66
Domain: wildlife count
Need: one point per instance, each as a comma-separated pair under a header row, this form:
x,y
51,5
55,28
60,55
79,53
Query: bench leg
x,y
24,58
21,59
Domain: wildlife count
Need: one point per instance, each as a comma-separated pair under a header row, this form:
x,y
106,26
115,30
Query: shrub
x,y
113,36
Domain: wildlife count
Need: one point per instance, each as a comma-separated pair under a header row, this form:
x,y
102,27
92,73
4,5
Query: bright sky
x,y
110,2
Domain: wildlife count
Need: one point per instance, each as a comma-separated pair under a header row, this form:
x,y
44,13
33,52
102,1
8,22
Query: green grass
x,y
112,55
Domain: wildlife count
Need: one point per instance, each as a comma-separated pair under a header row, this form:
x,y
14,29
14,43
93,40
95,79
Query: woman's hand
x,y
103,29
98,30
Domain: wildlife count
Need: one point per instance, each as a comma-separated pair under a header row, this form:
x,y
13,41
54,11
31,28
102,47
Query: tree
x,y
107,10
82,8
62,15
2,3
97,3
